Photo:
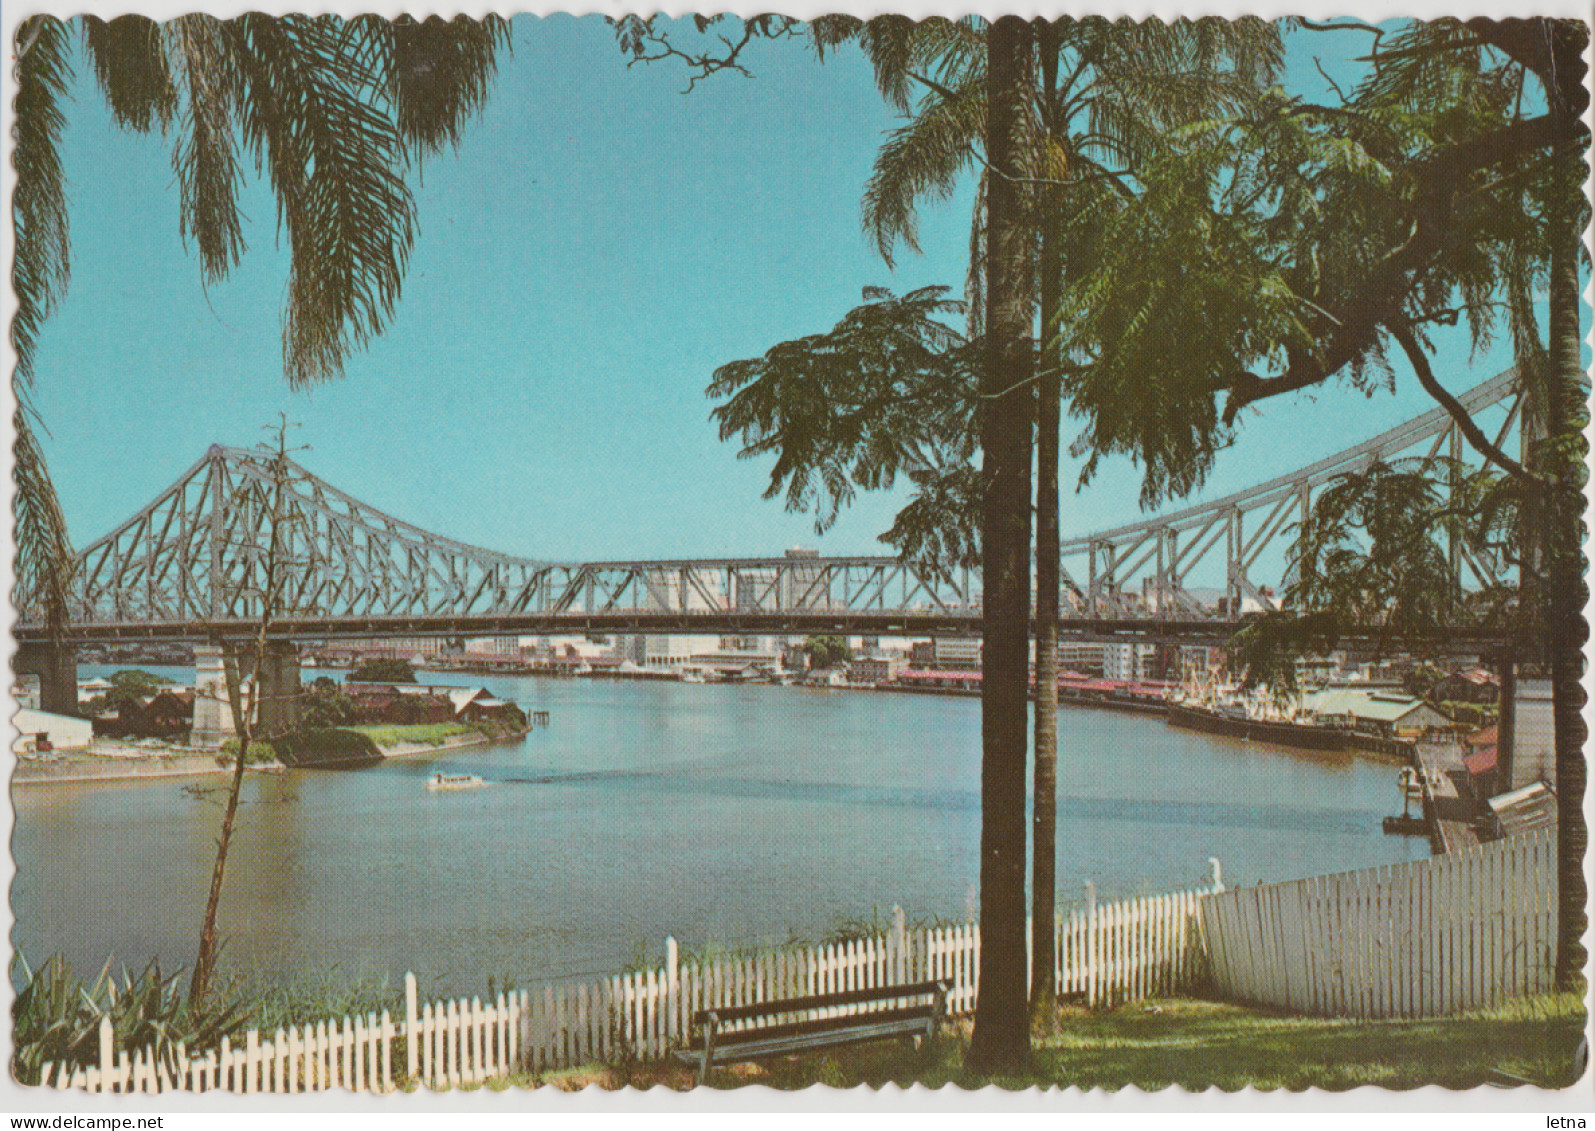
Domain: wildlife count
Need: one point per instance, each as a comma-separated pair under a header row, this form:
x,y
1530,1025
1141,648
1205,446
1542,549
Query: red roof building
x,y
1480,753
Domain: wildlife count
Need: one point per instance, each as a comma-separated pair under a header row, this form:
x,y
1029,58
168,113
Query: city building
x,y
955,653
878,668
1199,660
1533,753
664,651
1392,714
805,586
494,646
1128,661
771,645
1472,685
40,731
1080,656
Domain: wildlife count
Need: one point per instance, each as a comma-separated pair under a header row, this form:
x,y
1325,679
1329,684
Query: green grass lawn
x,y
1190,1044
428,734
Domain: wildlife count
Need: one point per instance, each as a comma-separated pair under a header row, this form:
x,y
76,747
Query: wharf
x,y
1446,803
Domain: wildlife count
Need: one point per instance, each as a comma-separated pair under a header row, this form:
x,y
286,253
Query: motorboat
x,y
441,780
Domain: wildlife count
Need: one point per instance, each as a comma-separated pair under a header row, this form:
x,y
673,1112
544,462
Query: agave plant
x,y
57,1018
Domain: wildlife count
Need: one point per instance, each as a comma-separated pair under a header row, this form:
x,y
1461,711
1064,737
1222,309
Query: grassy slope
x,y
424,733
1191,1044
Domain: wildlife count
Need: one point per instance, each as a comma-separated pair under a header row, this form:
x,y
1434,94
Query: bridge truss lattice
x,y
195,562
1148,564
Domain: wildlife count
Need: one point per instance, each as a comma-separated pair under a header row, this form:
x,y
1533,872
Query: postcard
x,y
720,557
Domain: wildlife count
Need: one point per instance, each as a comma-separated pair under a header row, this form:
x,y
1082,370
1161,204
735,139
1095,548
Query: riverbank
x,y
110,761
399,748
119,762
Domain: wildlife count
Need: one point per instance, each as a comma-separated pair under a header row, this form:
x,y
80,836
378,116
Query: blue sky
x,y
597,246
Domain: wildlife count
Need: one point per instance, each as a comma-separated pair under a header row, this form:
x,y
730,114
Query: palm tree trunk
x,y
1566,632
1002,1024
1044,815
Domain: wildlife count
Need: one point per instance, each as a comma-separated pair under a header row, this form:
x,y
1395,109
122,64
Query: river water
x,y
723,815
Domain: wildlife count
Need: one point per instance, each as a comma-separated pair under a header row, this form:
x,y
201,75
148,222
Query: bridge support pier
x,y
213,711
57,669
279,688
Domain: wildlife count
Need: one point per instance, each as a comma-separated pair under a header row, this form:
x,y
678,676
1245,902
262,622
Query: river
x,y
724,815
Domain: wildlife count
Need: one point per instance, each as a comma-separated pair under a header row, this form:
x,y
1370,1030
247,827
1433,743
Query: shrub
x,y
259,751
326,744
56,1018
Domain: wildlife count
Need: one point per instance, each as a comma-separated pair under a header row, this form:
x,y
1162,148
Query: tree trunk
x,y
1565,630
205,962
1044,816
243,718
1002,1024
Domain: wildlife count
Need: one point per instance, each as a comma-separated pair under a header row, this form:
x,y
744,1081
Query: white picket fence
x,y
1105,954
1132,949
1421,939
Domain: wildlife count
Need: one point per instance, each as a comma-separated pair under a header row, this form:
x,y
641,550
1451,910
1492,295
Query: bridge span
x,y
243,529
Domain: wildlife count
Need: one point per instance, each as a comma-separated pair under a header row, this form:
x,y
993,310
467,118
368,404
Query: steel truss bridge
x,y
194,564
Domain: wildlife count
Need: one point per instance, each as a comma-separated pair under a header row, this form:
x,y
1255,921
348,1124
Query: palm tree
x,y
1567,413
1098,96
333,112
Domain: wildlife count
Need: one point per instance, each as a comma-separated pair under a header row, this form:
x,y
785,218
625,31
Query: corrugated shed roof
x,y
1526,809
1380,706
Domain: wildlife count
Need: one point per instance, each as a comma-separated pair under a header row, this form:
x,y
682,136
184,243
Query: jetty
x,y
1447,801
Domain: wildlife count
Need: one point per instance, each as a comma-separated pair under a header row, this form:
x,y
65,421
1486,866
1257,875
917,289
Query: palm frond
x,y
45,563
204,154
130,63
309,115
440,75
922,160
43,263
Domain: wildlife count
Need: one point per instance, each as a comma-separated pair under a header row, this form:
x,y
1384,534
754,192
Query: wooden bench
x,y
719,1038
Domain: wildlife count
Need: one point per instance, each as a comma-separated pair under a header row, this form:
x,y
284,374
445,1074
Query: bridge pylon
x,y
213,711
56,665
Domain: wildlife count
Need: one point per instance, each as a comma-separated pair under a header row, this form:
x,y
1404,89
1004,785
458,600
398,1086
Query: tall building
x,y
494,646
1127,661
666,651
804,586
406,646
956,653
1080,656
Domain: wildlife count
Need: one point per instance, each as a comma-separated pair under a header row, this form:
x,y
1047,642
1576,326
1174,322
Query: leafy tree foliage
x,y
325,705
1299,244
382,671
1309,240
888,391
826,652
129,687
